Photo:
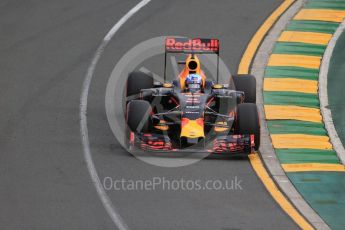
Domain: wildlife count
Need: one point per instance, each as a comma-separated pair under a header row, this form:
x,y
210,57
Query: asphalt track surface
x,y
46,47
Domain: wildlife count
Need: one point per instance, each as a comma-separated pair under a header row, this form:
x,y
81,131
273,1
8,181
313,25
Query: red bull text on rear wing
x,y
195,45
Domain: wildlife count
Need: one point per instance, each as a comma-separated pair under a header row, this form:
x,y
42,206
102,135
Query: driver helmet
x,y
193,83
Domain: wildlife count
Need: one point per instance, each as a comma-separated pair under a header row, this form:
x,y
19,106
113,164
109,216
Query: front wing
x,y
220,145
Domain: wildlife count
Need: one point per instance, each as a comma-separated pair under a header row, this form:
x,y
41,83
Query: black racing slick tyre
x,y
138,116
138,80
248,121
247,84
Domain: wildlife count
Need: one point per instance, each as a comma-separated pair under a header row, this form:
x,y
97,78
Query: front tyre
x,y
247,84
137,81
138,116
248,121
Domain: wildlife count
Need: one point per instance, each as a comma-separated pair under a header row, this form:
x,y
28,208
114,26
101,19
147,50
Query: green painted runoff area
x,y
299,48
291,98
325,192
296,127
326,4
312,26
291,156
291,71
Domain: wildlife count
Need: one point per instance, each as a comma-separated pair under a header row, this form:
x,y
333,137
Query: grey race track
x,y
45,49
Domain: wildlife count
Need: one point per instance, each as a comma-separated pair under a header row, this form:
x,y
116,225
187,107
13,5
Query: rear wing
x,y
191,45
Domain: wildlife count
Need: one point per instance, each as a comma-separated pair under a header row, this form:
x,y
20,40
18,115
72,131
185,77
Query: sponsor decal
x,y
192,95
192,107
196,44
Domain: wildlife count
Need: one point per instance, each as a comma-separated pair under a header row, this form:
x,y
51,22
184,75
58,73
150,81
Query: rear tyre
x,y
138,80
247,84
248,121
138,116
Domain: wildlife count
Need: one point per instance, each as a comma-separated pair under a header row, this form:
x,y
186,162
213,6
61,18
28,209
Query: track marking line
x,y
292,112
300,141
259,35
313,167
305,37
290,85
312,62
108,205
321,15
291,72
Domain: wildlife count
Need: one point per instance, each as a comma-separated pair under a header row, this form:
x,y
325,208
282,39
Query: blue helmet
x,y
193,82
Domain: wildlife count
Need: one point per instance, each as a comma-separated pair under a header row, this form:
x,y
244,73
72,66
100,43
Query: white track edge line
x,y
108,205
323,95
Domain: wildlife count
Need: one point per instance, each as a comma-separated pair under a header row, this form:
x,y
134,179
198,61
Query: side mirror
x,y
217,86
157,84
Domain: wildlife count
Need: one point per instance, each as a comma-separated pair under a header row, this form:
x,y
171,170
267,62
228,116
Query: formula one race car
x,y
192,112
